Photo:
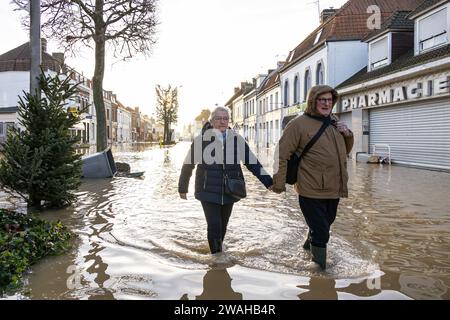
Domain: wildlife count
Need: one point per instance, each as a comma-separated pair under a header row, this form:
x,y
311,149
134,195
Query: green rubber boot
x,y
319,256
307,244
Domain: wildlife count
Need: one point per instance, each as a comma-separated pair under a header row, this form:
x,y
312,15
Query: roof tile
x,y
18,59
424,6
349,23
406,61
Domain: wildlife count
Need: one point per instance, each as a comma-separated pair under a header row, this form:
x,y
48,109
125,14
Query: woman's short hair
x,y
217,110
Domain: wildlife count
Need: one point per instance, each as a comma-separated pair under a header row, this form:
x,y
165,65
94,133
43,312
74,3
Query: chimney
x,y
59,56
259,79
236,90
326,14
44,45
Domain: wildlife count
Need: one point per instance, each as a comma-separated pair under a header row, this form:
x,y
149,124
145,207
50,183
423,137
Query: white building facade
x,y
402,103
123,125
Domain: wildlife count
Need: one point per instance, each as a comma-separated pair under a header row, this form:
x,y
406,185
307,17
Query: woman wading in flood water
x,y
219,181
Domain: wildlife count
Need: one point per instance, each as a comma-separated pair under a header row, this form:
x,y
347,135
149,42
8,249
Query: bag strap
x,y
314,139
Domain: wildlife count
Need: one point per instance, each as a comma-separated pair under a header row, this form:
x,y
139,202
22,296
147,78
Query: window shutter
x,y
379,50
433,25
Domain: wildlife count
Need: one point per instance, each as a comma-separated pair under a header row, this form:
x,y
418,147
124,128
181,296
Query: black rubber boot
x,y
215,245
319,256
307,244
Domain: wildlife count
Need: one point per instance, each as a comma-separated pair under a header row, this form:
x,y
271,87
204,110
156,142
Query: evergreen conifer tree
x,y
40,163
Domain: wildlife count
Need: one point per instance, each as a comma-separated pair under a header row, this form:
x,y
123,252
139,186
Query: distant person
x,y
322,174
219,181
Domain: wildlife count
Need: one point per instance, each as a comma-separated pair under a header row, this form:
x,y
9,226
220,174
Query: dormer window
x,y
379,53
433,30
318,36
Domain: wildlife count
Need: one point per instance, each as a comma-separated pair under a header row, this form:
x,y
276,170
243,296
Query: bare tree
x,y
166,108
127,27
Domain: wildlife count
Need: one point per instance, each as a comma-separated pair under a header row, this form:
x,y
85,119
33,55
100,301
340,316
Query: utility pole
x,y
35,43
318,9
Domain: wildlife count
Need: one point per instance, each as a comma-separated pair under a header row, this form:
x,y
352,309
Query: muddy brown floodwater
x,y
138,240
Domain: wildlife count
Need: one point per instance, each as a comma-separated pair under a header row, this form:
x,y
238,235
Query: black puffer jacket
x,y
211,168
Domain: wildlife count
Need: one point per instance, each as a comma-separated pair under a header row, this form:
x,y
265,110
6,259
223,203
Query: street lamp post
x,y
36,51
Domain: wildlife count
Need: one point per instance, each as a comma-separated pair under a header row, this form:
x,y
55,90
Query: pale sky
x,y
206,46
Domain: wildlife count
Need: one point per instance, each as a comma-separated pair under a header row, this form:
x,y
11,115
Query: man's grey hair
x,y
217,110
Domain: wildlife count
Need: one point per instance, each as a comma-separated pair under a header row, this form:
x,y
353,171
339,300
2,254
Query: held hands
x,y
183,196
278,191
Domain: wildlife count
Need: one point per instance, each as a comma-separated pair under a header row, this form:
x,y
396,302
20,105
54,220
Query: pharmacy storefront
x,y
411,117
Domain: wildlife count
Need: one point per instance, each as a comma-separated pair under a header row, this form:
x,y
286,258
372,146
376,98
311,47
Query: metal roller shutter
x,y
417,134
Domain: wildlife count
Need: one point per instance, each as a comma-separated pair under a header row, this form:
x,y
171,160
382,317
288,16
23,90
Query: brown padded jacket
x,y
322,172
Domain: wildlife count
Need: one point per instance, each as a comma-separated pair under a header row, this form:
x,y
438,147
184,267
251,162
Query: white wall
x,y
250,119
11,85
272,114
123,126
345,58
299,69
238,113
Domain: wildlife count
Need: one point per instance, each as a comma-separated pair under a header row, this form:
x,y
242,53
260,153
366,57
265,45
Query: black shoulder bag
x,y
294,162
235,187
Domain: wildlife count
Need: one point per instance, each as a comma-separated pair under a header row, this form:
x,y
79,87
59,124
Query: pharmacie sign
x,y
396,94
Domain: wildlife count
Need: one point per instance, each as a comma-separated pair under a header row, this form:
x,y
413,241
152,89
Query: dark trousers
x,y
217,217
319,215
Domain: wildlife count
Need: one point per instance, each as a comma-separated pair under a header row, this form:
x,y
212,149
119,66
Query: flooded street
x,y
138,240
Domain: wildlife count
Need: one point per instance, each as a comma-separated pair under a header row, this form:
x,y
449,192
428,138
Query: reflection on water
x,y
216,286
138,240
319,288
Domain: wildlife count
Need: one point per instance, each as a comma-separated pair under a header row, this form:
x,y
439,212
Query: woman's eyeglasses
x,y
221,118
325,100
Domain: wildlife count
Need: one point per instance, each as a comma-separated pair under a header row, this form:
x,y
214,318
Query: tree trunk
x,y
166,132
98,77
34,201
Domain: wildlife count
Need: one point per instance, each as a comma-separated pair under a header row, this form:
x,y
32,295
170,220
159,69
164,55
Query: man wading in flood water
x,y
322,173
